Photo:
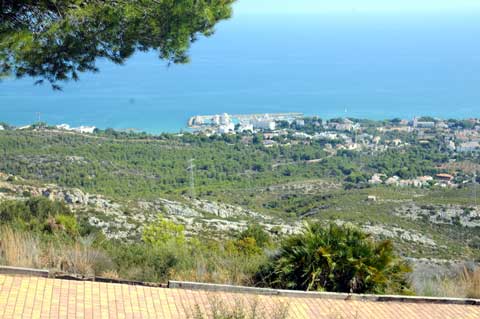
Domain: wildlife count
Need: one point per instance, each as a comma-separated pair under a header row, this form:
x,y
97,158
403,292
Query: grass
x,y
24,249
223,269
471,280
77,259
241,308
19,248
464,283
463,196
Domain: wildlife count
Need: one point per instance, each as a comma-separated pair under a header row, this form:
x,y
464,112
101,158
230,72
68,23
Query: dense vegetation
x,y
61,241
141,166
333,259
39,214
231,169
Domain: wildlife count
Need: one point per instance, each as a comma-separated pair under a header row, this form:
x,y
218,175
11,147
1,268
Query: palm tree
x,y
337,258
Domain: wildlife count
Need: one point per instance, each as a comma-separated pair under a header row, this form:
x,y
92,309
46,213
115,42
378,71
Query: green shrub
x,y
162,231
143,262
67,223
336,258
247,246
255,231
32,213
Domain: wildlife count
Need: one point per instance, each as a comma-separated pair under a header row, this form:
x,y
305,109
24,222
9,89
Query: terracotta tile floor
x,y
33,297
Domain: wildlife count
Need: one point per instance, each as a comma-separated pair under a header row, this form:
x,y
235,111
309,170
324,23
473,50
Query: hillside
x,y
120,182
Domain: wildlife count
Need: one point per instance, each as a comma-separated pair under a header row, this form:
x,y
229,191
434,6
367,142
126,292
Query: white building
x,y
245,127
300,123
197,121
302,136
225,119
425,179
65,127
264,123
468,146
422,124
451,146
2,128
397,142
441,125
394,180
226,129
84,129
81,129
377,179
326,136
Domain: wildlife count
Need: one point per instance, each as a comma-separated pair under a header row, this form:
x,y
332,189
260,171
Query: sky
x,y
322,6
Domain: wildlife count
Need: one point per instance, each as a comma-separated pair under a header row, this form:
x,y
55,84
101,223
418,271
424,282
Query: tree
x,y
257,139
54,40
339,259
162,231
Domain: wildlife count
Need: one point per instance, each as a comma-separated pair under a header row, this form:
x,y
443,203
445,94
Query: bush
x,y
162,231
338,259
32,214
255,231
139,261
247,246
62,223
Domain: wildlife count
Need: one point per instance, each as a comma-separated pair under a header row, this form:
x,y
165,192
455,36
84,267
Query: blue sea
x,y
363,65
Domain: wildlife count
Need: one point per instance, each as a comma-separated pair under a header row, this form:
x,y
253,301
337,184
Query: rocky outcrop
x,y
383,231
306,187
397,232
126,220
197,216
466,216
226,211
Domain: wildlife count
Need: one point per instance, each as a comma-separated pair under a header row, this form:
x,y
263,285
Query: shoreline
x,y
187,129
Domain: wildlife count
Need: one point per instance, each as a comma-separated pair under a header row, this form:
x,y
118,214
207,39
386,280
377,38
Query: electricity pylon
x,y
191,168
475,186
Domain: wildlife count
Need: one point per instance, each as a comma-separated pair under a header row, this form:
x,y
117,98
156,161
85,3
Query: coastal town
x,y
456,137
459,138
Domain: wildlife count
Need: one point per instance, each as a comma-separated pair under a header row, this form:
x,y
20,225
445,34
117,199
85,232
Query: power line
x,y
191,168
475,186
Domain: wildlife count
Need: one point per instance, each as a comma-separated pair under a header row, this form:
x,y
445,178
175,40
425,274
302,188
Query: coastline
x,y
181,126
